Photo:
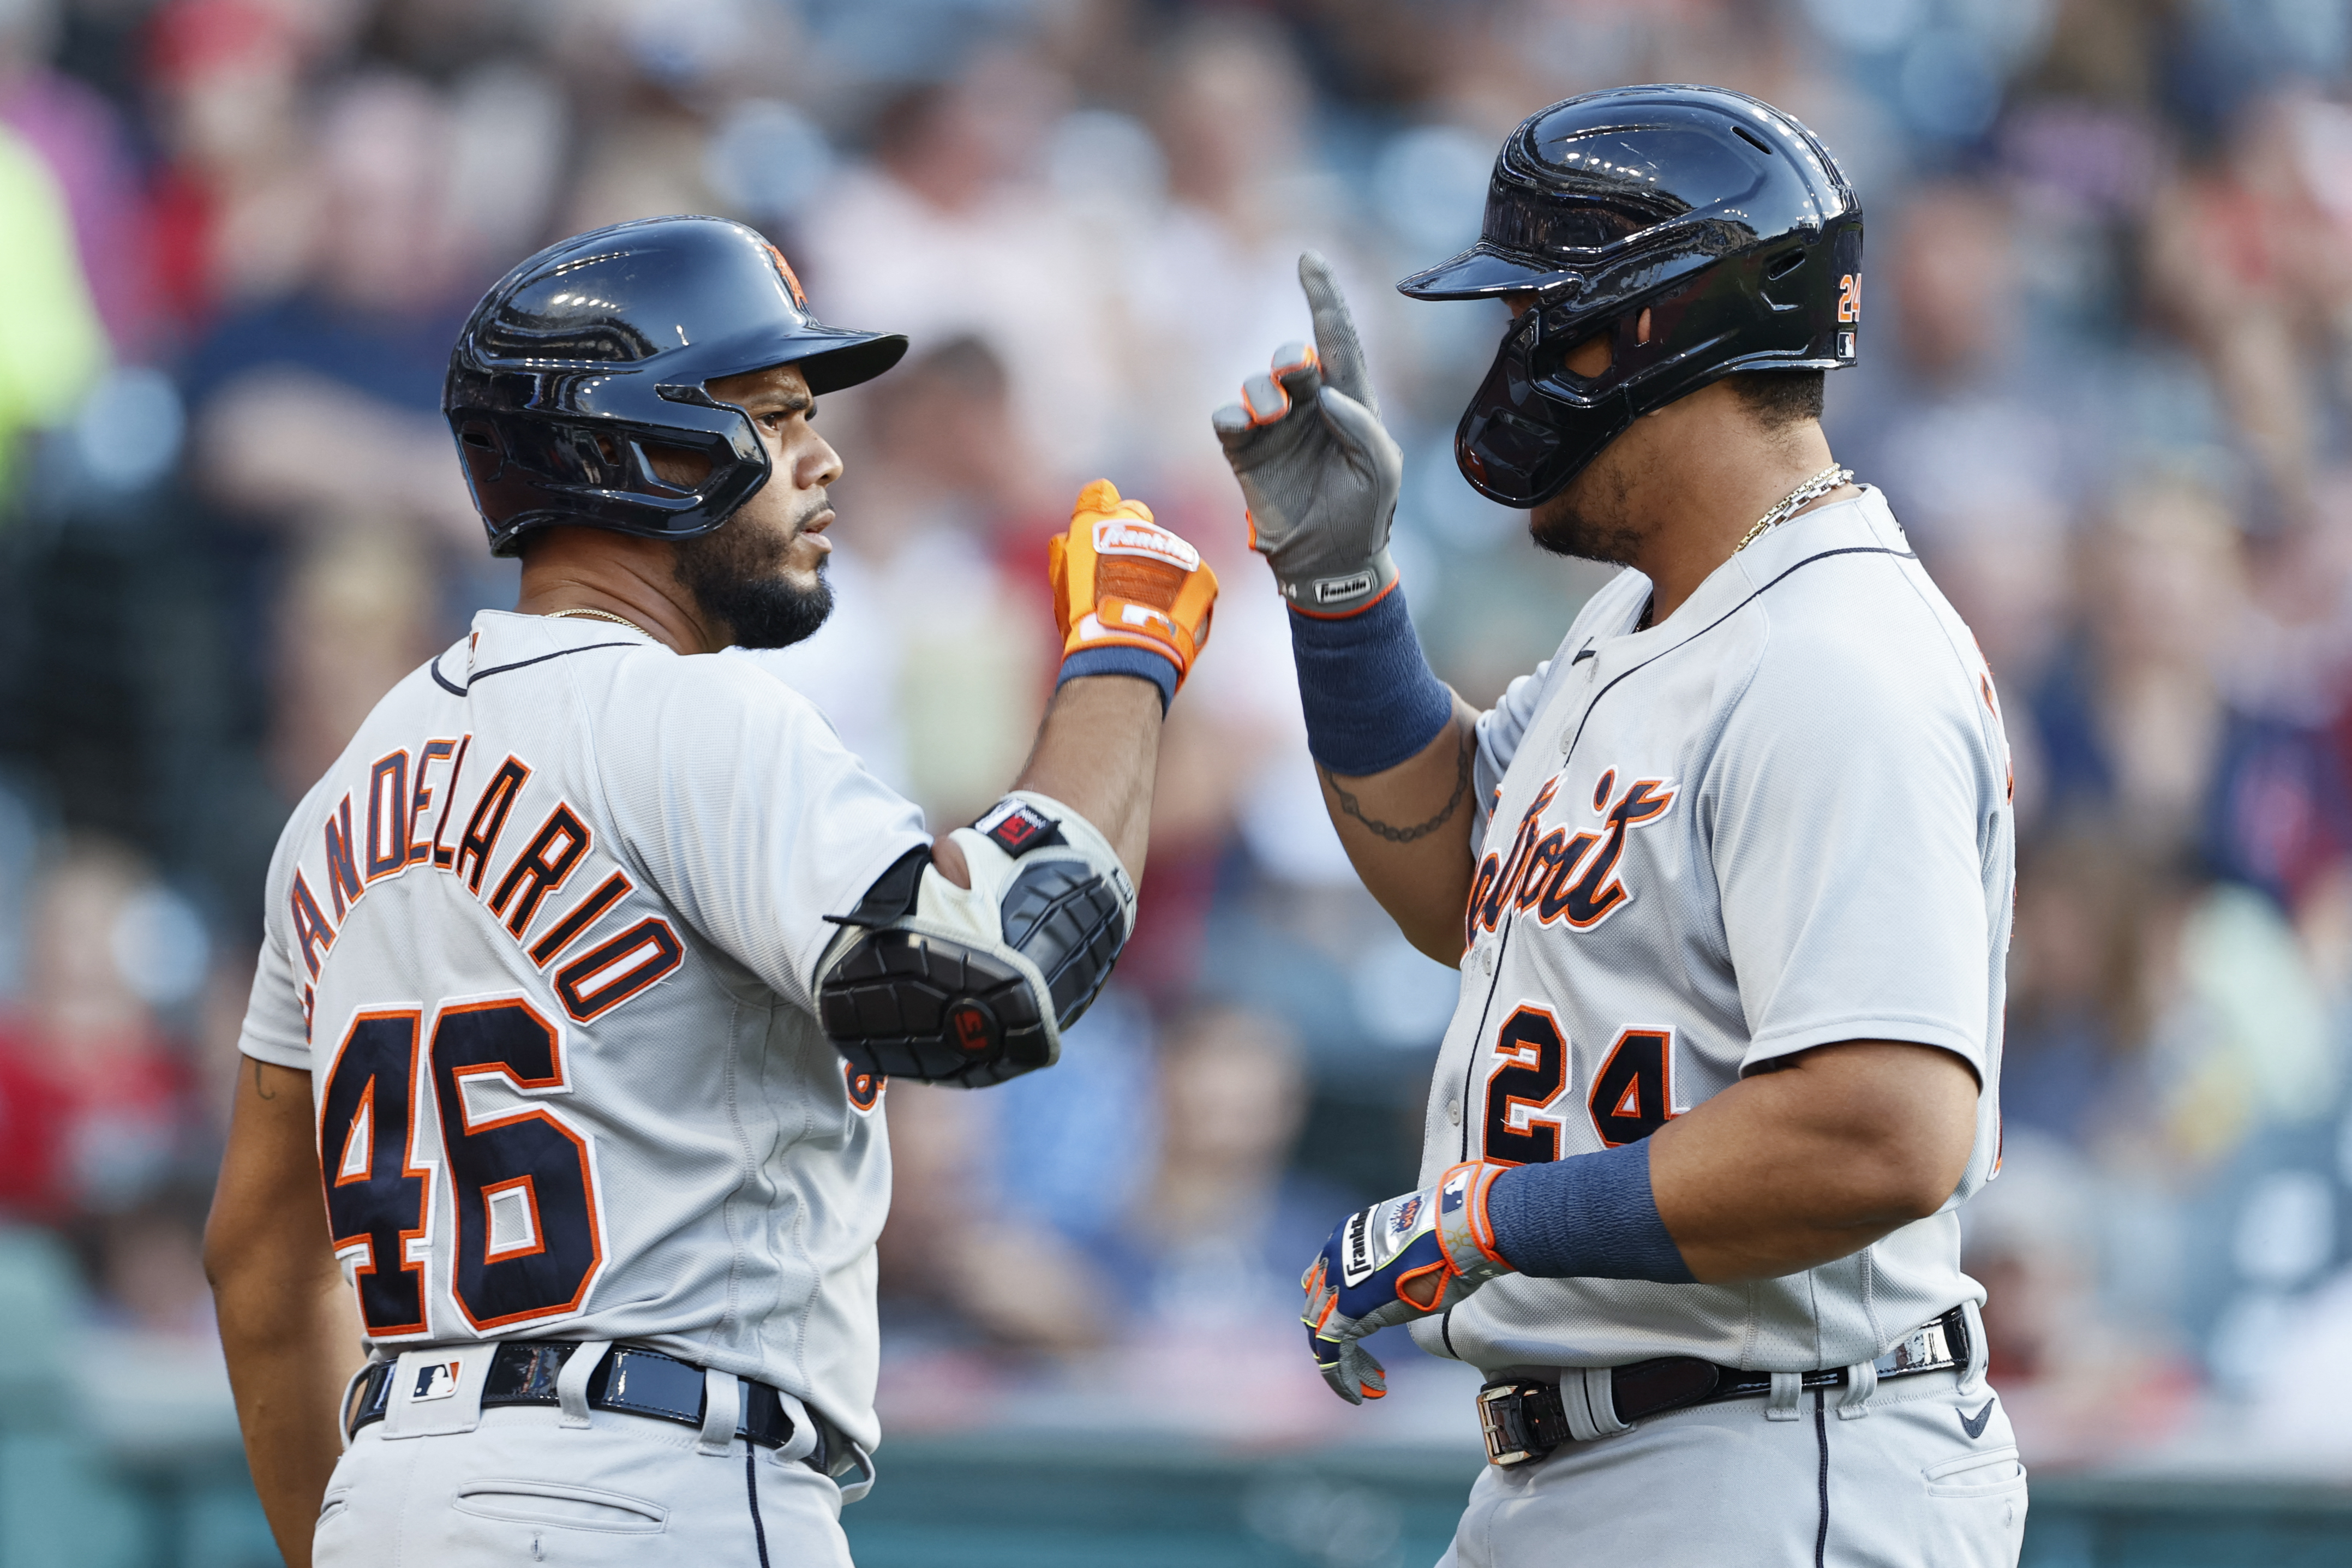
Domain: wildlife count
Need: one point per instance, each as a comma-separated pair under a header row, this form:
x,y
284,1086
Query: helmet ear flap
x,y
483,454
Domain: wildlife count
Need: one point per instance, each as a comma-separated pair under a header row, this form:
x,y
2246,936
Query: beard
x,y
736,579
1587,520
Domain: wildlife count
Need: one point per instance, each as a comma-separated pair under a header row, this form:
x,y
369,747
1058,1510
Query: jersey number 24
x,y
1628,1101
530,1231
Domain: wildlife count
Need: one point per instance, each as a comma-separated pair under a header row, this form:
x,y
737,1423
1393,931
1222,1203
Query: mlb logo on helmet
x,y
436,1380
1124,536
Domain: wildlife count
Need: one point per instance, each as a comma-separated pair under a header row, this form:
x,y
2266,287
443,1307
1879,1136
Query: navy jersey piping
x,y
481,675
1753,595
1469,1074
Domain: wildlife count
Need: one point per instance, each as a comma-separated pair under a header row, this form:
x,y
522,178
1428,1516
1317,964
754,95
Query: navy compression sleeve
x,y
1371,698
1591,1216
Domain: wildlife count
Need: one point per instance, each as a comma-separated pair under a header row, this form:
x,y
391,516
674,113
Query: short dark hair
x,y
1779,398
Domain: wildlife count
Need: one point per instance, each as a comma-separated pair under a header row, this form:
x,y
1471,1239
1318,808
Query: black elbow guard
x,y
974,986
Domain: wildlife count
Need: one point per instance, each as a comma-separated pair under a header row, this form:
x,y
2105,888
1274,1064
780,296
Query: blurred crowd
x,y
2106,382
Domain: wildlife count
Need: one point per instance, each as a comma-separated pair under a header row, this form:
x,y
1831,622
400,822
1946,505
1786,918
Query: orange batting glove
x,y
1127,592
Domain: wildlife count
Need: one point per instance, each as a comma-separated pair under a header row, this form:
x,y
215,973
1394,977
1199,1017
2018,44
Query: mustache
x,y
808,513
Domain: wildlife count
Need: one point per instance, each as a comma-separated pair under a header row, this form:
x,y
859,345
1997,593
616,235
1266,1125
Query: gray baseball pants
x,y
1925,1475
525,1484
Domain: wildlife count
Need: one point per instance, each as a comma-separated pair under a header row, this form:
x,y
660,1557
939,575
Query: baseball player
x,y
588,962
1727,879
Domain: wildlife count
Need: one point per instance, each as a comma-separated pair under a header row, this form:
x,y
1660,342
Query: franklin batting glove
x,y
1406,1259
1318,472
1121,581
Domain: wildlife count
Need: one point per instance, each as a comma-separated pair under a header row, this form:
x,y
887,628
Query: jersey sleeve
x,y
1847,804
750,817
275,1029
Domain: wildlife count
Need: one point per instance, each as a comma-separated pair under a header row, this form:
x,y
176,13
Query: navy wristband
x,y
1121,660
1589,1216
1370,699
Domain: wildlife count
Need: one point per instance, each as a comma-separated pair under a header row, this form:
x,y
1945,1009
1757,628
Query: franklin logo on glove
x,y
1414,1255
1117,536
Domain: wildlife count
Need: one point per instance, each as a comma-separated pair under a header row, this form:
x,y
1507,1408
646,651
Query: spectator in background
x,y
2088,1381
87,1047
2130,718
1953,415
1221,1204
146,1265
2247,263
2239,1043
233,211
331,391
1213,276
79,136
953,230
1204,1262
961,1274
52,345
2079,990
33,1124
354,615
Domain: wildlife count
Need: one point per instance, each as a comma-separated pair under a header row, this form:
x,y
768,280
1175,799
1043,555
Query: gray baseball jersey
x,y
1780,819
544,937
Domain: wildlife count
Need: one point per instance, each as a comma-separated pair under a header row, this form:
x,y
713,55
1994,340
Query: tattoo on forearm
x,y
1420,829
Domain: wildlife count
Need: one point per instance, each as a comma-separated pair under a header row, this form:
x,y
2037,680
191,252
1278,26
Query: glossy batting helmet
x,y
1721,216
600,345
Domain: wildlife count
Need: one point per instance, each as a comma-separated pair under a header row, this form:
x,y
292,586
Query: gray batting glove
x,y
1317,470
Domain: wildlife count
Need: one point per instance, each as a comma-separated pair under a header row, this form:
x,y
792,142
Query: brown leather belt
x,y
1525,1420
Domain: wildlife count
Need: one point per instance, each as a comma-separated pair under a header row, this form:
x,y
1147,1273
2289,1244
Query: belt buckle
x,y
1927,1348
1511,1437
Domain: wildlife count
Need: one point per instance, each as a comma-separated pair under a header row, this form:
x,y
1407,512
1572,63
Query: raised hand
x,y
1119,579
1318,472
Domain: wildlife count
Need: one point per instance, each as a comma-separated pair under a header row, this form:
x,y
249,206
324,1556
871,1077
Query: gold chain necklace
x,y
1819,485
601,616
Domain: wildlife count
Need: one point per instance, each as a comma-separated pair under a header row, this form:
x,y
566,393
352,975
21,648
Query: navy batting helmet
x,y
1721,216
600,344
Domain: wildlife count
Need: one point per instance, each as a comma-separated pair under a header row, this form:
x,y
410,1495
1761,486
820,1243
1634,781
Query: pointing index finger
x,y
1342,354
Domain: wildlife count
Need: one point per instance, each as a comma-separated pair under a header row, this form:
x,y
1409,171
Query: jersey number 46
x,y
530,1231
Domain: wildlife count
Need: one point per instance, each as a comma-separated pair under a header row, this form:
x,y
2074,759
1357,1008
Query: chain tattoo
x,y
1420,829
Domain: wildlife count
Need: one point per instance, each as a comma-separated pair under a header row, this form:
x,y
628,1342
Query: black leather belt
x,y
632,1380
1527,1420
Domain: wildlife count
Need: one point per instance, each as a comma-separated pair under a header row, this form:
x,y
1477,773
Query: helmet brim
x,y
855,357
1484,271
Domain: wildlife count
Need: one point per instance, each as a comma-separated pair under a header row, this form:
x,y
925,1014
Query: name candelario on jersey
x,y
1563,874
404,829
